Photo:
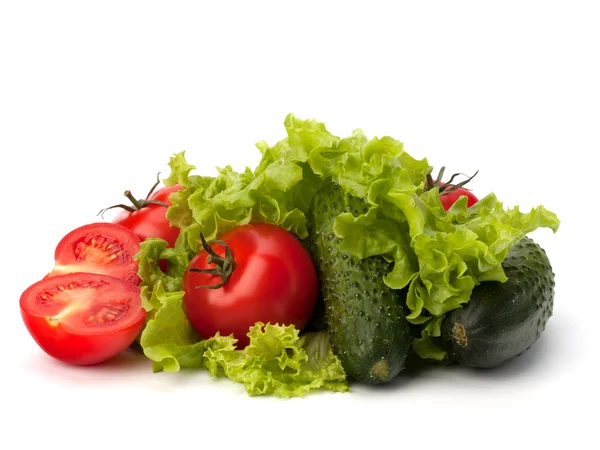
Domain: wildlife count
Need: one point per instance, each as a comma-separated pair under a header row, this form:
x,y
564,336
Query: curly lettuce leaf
x,y
168,338
438,256
278,362
278,191
153,250
427,346
179,213
441,256
459,249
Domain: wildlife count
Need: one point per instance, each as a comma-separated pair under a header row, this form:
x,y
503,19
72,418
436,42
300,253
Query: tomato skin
x,y
79,350
151,220
449,199
90,248
71,342
274,280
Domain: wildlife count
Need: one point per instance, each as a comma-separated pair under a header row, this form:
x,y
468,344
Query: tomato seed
x,y
52,320
84,249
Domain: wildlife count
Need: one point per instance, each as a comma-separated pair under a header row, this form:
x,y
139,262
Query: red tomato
x,y
450,198
104,248
273,280
150,220
83,318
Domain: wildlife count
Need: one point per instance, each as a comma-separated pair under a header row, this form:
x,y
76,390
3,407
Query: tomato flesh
x,y
104,248
151,220
274,280
83,318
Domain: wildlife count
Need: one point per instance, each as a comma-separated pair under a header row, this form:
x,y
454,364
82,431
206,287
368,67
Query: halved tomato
x,y
105,248
83,318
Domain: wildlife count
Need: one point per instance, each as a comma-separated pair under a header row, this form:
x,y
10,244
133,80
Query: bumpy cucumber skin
x,y
365,318
502,320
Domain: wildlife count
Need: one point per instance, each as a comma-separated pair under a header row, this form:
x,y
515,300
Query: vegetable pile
x,y
329,263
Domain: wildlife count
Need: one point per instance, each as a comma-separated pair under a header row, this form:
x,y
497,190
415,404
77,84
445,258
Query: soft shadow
x,y
546,351
130,359
414,372
126,364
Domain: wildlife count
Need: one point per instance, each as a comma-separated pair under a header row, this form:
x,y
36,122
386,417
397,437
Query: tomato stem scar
x,y
447,187
224,265
137,204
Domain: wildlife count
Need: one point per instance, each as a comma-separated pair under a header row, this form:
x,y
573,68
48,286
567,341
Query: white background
x,y
96,96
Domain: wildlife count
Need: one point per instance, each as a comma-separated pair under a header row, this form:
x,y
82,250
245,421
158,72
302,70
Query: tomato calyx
x,y
446,187
224,265
137,204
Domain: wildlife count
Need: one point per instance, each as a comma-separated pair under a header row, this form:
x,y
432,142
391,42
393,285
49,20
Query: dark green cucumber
x,y
365,318
502,320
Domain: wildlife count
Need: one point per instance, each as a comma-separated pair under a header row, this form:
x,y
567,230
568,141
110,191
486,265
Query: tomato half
x,y
105,248
83,318
273,280
150,220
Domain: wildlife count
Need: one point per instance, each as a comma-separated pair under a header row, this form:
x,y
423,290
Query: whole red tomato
x,y
267,276
147,218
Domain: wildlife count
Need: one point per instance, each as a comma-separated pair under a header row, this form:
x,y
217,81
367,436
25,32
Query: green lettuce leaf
x,y
152,250
168,338
438,256
277,362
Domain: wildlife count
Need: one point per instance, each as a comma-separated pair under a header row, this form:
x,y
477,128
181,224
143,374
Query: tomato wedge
x,y
104,248
83,318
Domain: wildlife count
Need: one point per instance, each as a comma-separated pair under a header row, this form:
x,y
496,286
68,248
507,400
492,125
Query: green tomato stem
x,y
224,265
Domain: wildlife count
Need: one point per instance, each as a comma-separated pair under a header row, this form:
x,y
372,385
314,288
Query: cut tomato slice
x,y
104,248
83,318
